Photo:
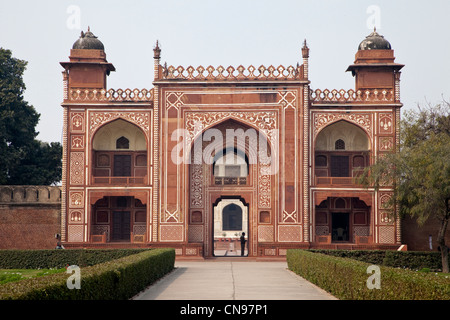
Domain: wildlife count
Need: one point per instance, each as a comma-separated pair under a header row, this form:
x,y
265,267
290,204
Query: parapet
x,y
241,73
29,194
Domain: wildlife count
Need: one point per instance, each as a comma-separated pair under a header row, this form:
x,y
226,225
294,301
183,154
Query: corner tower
x,y
87,66
374,66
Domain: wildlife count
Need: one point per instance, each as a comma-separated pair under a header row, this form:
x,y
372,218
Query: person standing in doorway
x,y
242,243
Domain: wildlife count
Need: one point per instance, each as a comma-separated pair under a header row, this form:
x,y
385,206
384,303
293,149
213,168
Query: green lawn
x,y
10,275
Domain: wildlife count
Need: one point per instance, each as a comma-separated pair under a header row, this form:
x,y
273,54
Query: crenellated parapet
x,y
30,216
29,195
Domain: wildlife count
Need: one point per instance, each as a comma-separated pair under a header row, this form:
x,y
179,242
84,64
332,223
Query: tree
x,y
23,160
420,170
40,166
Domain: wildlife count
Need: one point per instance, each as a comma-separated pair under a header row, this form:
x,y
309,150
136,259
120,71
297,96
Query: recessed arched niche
x,y
119,135
342,135
119,154
342,150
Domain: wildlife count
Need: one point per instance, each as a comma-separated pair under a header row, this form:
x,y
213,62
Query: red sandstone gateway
x,y
125,186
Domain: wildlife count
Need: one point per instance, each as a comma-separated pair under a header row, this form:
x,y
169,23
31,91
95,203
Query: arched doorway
x,y
230,218
226,163
343,220
119,154
118,219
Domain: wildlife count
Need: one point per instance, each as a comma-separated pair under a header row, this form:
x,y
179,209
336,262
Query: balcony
x,y
121,168
339,168
337,181
120,180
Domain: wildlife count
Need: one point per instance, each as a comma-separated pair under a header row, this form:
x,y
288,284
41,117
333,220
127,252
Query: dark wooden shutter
x,y
122,165
340,166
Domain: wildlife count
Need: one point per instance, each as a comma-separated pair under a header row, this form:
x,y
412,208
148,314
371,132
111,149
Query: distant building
x,y
208,153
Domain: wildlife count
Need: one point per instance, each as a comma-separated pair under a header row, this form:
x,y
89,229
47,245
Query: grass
x,y
436,273
11,275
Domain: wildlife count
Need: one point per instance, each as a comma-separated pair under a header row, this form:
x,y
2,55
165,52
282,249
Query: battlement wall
x,y
30,194
30,216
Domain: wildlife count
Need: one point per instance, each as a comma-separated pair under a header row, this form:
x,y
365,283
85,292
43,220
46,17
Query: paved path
x,y
232,279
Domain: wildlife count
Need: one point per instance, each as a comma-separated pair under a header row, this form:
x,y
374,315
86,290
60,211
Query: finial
x,y
305,50
156,51
89,29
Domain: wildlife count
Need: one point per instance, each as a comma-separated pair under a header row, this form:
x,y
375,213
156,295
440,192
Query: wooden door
x,y
121,226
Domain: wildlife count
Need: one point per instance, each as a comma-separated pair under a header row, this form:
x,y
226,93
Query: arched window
x,y
339,144
122,143
232,218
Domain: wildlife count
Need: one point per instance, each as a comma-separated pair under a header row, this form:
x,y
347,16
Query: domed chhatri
x,y
374,41
88,41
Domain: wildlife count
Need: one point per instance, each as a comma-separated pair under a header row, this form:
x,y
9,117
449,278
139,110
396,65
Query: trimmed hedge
x,y
415,260
57,258
112,280
346,278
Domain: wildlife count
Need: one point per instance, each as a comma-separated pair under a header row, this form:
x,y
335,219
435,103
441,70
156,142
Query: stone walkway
x,y
232,278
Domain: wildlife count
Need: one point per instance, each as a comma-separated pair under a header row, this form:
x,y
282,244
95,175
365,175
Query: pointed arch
x,y
340,133
254,144
98,119
262,122
119,153
107,136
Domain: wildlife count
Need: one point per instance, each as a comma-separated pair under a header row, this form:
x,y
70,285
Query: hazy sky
x,y
225,32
